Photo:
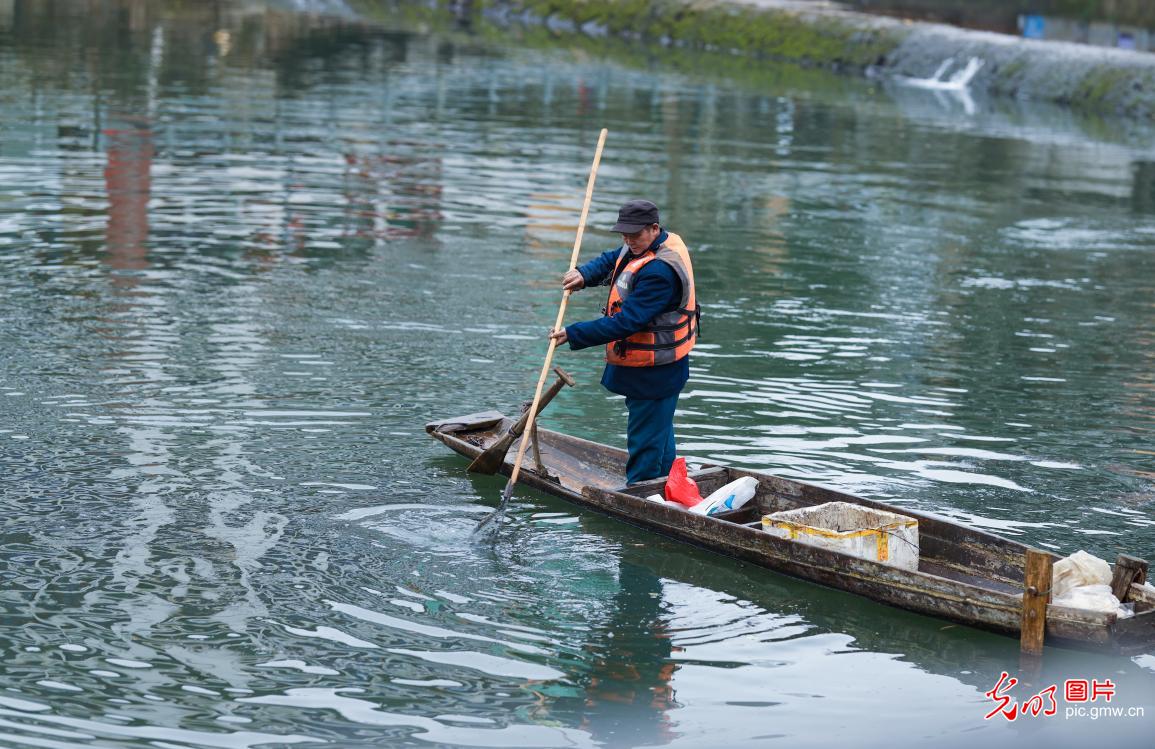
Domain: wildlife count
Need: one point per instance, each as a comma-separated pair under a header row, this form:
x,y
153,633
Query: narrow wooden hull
x,y
964,575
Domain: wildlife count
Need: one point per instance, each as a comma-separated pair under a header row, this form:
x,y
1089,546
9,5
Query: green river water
x,y
245,256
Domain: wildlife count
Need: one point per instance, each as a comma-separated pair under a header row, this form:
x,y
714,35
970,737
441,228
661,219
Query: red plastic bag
x,y
680,487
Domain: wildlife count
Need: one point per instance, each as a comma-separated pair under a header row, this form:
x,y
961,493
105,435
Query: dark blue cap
x,y
636,215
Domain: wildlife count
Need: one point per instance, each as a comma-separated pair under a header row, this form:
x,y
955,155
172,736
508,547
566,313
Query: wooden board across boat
x,y
964,575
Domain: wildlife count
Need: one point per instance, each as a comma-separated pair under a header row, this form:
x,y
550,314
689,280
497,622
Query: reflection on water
x,y
245,255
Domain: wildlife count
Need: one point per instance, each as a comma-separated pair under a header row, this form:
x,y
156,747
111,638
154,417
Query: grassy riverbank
x,y
1101,80
782,31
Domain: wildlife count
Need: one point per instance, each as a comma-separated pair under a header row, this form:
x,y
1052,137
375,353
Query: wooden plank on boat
x,y
1079,627
467,423
1128,570
1140,594
916,591
1134,635
1036,596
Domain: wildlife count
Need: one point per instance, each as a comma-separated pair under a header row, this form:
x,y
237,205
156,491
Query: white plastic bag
x,y
1089,597
1077,570
732,496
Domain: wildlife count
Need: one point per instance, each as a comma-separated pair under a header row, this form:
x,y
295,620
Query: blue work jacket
x,y
657,289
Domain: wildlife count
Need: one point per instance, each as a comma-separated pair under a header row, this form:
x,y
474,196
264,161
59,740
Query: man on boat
x,y
650,323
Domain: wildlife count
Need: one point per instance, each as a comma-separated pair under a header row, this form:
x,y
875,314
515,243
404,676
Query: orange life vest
x,y
669,336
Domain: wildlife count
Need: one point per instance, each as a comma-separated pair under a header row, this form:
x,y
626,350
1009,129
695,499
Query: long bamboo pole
x,y
577,244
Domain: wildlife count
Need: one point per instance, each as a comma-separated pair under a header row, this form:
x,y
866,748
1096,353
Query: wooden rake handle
x,y
577,244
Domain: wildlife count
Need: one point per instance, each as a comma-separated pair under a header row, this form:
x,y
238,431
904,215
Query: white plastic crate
x,y
877,535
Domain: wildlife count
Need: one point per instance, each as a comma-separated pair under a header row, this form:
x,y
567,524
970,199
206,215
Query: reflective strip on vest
x,y
669,336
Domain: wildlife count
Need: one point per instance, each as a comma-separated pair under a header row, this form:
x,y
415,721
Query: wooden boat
x,y
964,575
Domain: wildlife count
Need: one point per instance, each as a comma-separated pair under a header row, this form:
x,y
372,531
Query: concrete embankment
x,y
817,34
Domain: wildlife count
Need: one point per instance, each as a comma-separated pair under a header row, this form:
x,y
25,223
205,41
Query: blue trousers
x,y
650,438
